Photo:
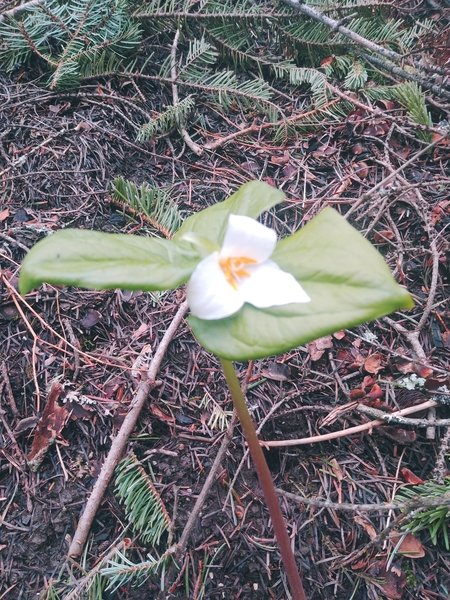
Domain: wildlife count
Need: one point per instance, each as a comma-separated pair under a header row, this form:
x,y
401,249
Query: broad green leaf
x,y
348,282
250,200
97,260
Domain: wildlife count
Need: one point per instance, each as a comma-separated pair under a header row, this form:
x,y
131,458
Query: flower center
x,y
234,269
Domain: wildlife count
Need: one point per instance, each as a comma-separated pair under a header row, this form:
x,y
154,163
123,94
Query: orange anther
x,y
233,268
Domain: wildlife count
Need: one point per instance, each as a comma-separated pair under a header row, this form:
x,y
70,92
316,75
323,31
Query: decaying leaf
x,y
392,582
411,547
79,406
276,371
91,318
366,525
398,435
142,363
317,348
410,477
49,427
373,363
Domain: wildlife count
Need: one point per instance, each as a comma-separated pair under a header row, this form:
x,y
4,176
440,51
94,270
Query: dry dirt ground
x,y
58,156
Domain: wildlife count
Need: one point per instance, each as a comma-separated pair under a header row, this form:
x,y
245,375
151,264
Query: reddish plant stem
x,y
265,480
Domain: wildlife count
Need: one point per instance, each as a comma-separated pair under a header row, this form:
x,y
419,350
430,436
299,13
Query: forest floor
x,y
59,153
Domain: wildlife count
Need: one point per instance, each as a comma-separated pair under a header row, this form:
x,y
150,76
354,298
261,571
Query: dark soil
x,y
58,156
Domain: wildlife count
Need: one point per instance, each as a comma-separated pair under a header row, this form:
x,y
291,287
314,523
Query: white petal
x,y
209,294
246,237
268,286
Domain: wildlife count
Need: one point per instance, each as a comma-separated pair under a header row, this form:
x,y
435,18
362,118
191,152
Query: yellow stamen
x,y
233,268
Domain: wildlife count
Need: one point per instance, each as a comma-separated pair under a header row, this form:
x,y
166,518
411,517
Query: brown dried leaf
x,y
373,363
162,416
140,331
366,525
317,348
410,477
91,318
276,372
362,170
382,236
398,435
281,160
440,210
358,149
368,382
328,60
375,393
423,371
4,214
49,427
357,394
392,582
337,470
411,547
339,335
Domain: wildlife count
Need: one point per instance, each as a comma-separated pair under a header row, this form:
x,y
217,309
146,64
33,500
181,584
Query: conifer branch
x,y
389,58
152,203
143,505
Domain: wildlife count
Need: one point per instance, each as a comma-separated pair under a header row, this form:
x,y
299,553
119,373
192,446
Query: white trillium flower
x,y
241,272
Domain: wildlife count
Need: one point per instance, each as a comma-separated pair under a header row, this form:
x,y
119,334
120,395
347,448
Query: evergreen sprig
x,y
122,571
410,95
435,519
67,36
155,203
230,55
143,505
172,116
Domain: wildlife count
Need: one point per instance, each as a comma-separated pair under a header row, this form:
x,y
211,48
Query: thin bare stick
x,y
121,439
339,27
440,468
33,150
196,149
182,544
393,419
319,503
9,390
408,75
221,141
412,337
346,432
388,178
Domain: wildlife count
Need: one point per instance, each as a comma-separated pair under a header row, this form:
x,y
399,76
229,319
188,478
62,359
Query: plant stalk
x,y
266,482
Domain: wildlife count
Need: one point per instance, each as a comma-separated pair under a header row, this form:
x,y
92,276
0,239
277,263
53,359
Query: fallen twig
x,y
196,149
396,419
340,505
253,128
182,544
350,431
121,439
377,50
391,176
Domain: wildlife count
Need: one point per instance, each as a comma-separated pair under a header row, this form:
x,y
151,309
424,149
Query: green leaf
x,y
250,200
106,261
348,282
